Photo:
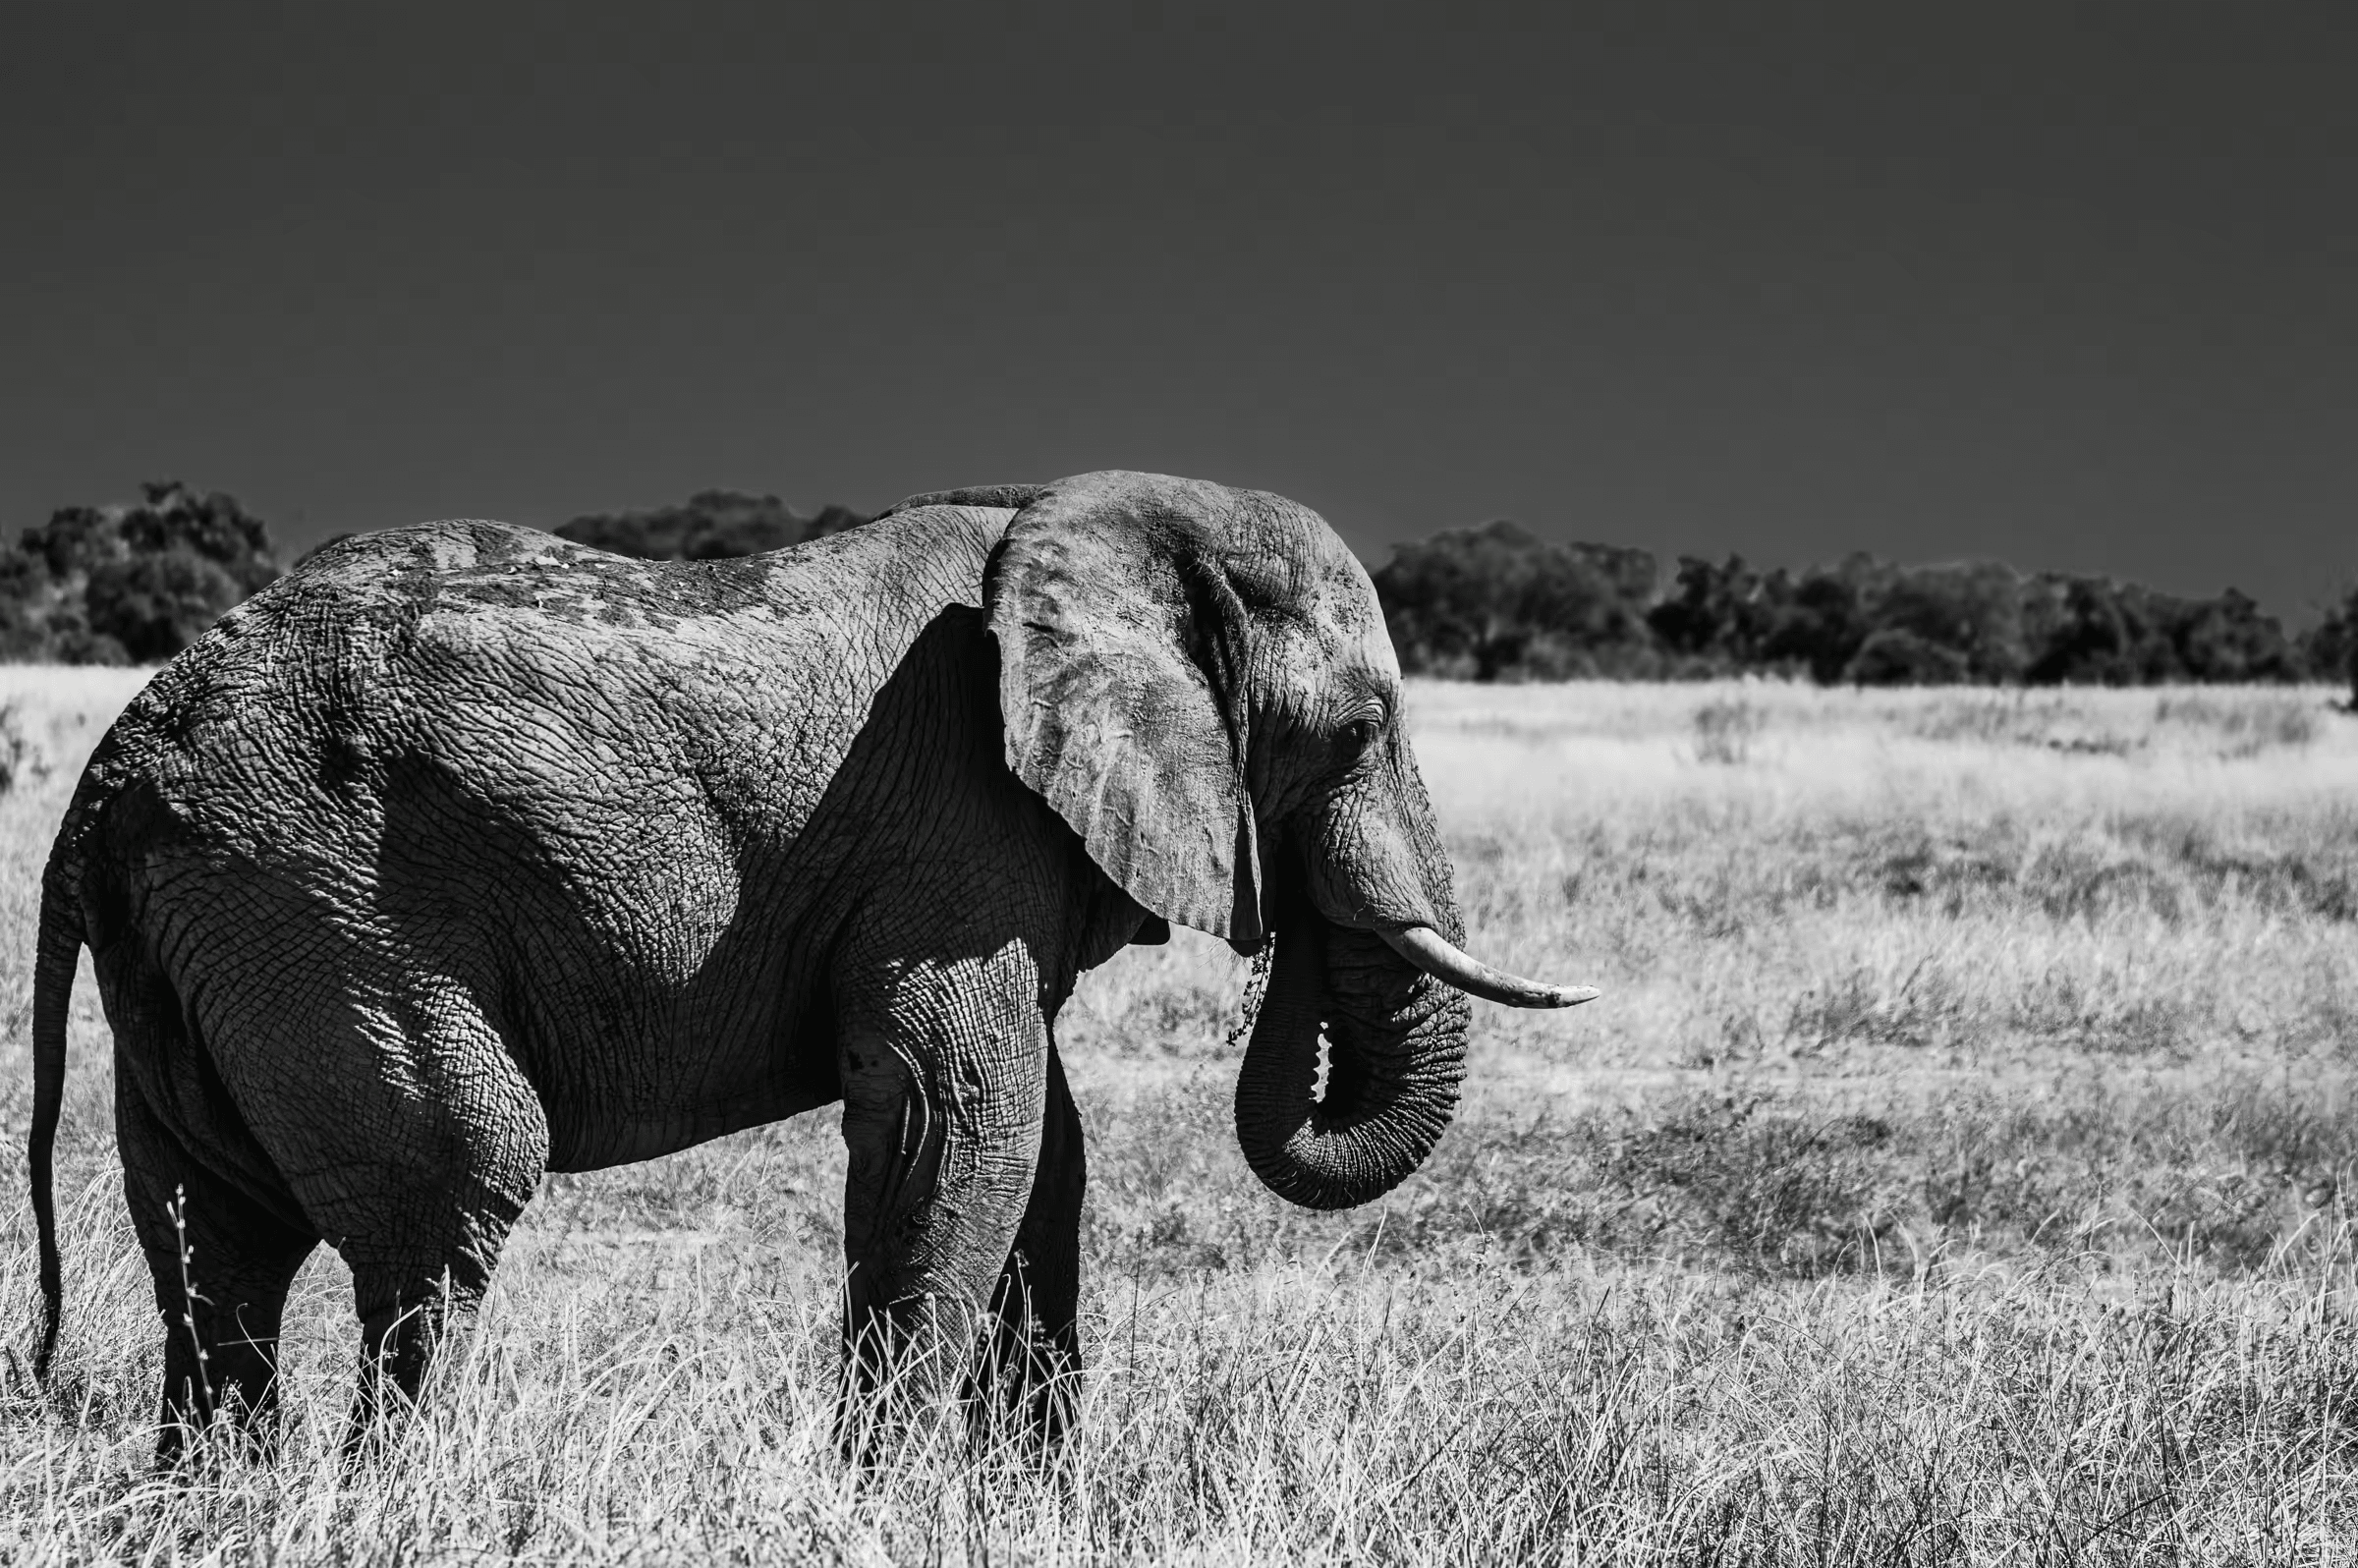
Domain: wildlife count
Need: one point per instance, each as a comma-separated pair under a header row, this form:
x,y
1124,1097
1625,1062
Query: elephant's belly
x,y
587,1138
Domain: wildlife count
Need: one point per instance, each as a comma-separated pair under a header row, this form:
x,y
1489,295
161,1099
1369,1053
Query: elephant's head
x,y
1199,681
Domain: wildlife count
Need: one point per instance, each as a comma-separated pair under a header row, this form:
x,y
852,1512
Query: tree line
x,y
1498,603
137,583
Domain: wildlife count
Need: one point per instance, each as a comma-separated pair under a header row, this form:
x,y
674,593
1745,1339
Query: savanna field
x,y
1959,1167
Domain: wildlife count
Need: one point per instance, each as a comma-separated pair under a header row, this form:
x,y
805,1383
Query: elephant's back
x,y
380,631
470,567
480,642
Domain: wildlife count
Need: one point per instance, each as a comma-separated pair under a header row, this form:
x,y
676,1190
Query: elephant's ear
x,y
1116,633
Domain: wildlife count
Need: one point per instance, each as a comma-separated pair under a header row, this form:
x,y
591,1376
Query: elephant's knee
x,y
889,1137
877,1081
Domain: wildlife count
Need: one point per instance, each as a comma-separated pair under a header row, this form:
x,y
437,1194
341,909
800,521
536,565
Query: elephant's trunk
x,y
1396,1041
1366,930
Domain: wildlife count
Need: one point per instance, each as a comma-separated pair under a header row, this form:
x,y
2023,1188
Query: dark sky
x,y
2074,286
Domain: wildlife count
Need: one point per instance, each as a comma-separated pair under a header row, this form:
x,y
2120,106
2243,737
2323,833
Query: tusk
x,y
1430,952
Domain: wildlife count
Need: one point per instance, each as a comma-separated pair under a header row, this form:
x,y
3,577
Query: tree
x,y
1819,623
157,603
23,598
713,525
77,538
2094,631
114,584
1724,613
2079,631
2328,650
1498,603
833,519
1972,609
2228,639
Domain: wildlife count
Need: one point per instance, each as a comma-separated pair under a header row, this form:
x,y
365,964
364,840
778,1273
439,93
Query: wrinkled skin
x,y
465,854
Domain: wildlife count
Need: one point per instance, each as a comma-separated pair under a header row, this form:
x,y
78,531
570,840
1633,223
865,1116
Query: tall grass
x,y
1957,1169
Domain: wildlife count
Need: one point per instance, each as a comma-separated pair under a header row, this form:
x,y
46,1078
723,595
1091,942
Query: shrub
x,y
1724,731
116,584
712,525
15,751
153,605
1894,657
2328,650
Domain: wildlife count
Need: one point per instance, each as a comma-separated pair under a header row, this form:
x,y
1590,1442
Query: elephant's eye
x,y
1359,733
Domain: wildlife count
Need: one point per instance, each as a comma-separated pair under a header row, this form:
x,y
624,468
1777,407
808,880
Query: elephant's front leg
x,y
1032,1372
943,1086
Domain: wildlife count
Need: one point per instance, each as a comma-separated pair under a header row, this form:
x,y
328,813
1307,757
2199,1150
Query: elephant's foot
x,y
901,1362
221,1403
1023,1392
222,1262
398,1349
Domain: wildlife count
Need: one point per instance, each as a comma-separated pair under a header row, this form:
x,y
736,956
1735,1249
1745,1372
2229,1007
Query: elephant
x,y
464,853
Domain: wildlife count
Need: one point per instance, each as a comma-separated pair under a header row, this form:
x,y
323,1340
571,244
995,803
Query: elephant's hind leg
x,y
1033,1370
222,1263
444,1148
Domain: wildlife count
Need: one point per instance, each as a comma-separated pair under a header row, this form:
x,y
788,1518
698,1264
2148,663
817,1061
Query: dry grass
x,y
1956,1170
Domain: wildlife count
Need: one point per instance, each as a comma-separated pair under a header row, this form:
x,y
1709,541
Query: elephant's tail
x,y
54,963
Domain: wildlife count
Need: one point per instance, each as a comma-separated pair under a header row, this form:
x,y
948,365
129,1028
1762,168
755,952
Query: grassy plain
x,y
1958,1168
